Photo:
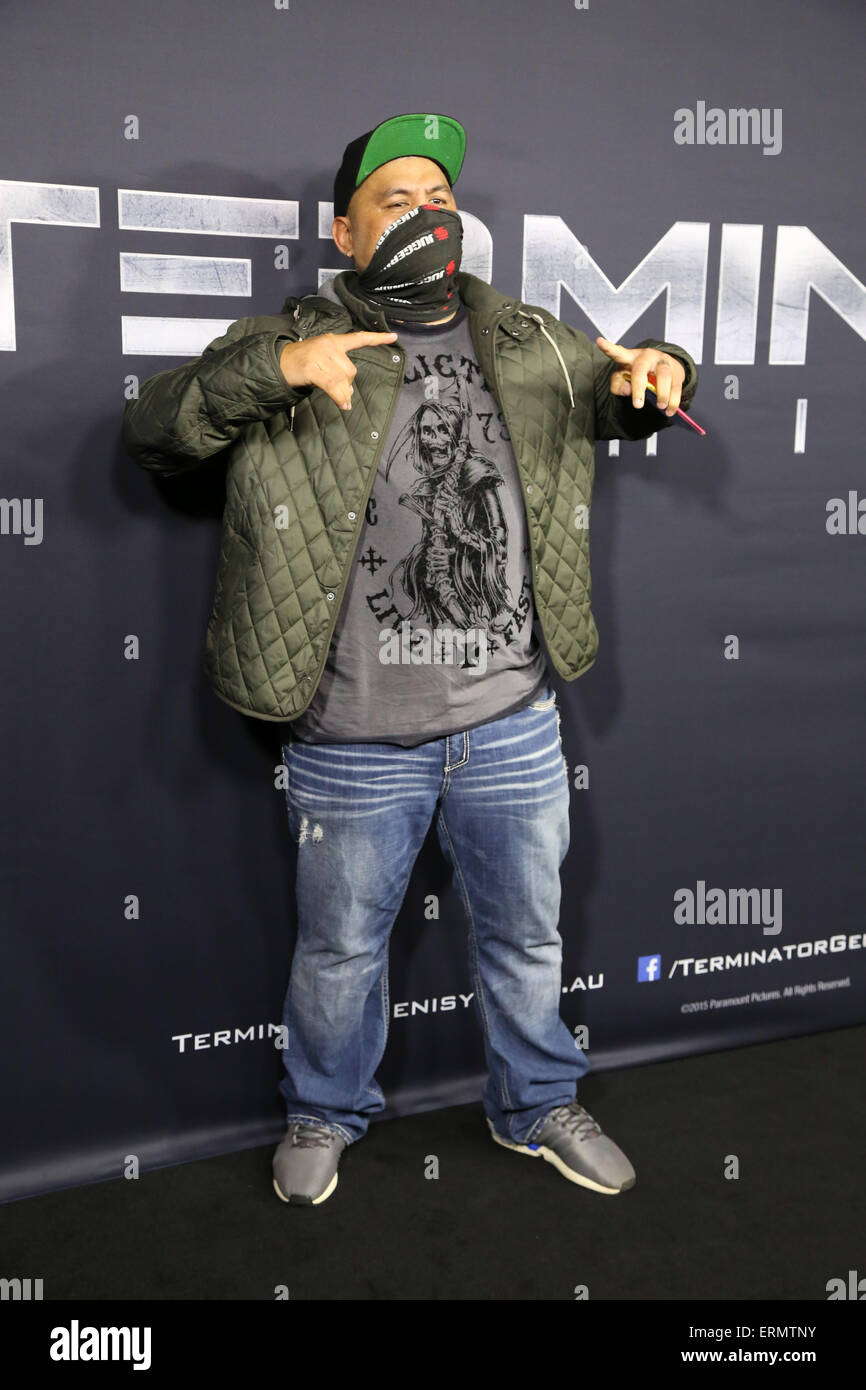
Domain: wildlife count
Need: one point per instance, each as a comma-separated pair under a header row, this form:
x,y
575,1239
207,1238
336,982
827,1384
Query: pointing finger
x,y
349,341
616,351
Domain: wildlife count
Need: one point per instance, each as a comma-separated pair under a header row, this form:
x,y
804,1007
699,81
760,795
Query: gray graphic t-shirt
x,y
435,634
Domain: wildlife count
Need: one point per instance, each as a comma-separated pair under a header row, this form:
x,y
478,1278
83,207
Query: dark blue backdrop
x,y
146,865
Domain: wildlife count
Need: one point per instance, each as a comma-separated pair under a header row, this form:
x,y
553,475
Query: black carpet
x,y
497,1225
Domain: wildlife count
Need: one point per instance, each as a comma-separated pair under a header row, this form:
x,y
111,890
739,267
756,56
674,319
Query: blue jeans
x,y
359,813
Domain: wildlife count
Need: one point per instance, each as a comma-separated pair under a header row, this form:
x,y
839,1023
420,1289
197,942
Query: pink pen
x,y
688,419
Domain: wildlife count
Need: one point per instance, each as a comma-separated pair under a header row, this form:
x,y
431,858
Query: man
x,y
404,548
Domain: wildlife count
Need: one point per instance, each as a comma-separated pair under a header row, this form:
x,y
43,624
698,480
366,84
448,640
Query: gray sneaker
x,y
305,1164
573,1142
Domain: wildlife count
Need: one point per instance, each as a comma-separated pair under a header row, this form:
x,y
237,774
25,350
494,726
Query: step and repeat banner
x,y
689,172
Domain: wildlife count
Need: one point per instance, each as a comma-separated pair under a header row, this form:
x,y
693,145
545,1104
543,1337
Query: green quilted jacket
x,y
300,471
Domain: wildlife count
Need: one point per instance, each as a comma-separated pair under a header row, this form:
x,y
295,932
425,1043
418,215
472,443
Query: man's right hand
x,y
324,361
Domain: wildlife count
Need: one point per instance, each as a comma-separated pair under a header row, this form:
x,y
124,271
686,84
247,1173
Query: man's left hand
x,y
668,373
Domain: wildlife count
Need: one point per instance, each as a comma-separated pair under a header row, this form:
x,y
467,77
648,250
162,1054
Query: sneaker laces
x,y
574,1118
312,1136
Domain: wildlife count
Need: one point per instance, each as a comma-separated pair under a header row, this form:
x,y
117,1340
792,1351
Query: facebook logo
x,y
649,967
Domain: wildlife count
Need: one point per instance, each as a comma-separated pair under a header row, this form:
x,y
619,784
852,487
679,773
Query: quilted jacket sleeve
x,y
616,417
185,414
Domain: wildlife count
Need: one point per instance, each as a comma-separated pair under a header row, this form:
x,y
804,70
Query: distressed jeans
x,y
359,813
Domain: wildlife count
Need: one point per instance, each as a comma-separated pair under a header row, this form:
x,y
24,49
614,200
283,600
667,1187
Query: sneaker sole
x,y
551,1157
298,1200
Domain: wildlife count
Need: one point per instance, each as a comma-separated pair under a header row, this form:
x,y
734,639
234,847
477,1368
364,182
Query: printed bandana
x,y
412,272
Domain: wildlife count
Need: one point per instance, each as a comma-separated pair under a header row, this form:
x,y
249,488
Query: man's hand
x,y
668,374
323,361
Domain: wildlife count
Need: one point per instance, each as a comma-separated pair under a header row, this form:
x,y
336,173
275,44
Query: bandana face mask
x,y
412,272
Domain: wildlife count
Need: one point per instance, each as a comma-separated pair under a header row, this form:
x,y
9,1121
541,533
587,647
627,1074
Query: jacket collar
x,y
334,295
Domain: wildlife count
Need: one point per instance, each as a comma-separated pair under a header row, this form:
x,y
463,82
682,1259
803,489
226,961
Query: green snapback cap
x,y
428,135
